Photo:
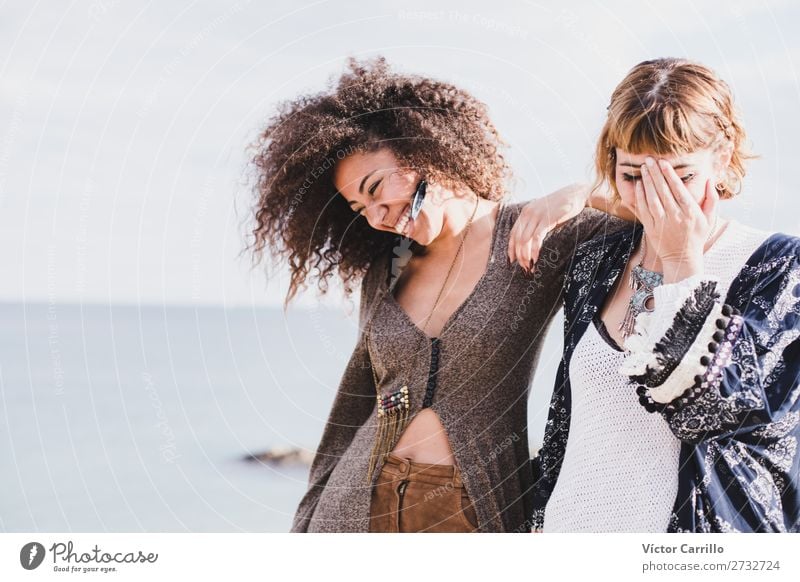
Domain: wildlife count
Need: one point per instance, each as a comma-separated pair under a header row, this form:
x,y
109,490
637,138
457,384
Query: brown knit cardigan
x,y
488,352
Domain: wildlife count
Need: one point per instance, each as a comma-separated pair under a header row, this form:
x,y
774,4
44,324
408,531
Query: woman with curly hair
x,y
677,403
398,182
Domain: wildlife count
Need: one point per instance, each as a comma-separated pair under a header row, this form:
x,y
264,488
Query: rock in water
x,y
279,456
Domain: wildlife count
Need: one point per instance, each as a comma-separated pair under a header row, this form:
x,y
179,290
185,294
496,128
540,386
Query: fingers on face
x,y
710,200
669,191
673,181
653,196
642,210
682,196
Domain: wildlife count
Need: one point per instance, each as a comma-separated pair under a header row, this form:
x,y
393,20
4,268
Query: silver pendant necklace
x,y
643,281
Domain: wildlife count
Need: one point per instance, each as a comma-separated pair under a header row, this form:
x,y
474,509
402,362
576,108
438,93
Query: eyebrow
x,y
675,167
361,186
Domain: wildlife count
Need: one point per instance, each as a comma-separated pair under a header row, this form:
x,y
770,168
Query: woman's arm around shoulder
x,y
564,219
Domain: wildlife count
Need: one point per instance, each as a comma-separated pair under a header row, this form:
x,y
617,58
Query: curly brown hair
x,y
433,127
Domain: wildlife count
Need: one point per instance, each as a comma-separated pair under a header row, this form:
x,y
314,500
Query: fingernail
x,y
663,164
650,162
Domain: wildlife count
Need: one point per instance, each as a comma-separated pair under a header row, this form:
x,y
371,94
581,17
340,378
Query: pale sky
x,y
123,125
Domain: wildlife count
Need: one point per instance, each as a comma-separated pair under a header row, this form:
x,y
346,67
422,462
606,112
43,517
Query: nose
x,y
376,213
391,197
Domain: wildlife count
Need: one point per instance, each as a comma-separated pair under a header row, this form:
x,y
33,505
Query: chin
x,y
423,238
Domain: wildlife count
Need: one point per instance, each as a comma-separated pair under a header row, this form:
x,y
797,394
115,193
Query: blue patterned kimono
x,y
738,418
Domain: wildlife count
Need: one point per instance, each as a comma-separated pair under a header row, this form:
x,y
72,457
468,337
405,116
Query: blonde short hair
x,y
672,107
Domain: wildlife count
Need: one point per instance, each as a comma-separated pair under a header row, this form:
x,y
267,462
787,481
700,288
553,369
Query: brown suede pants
x,y
420,497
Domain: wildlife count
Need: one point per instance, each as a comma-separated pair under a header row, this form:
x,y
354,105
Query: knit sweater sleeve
x,y
352,406
712,370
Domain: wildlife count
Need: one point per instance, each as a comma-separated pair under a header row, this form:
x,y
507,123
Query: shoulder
x,y
509,214
612,234
774,265
600,255
780,244
587,220
513,209
767,292
776,248
589,224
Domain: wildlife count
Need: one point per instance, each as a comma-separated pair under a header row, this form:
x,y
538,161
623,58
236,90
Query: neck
x,y
458,209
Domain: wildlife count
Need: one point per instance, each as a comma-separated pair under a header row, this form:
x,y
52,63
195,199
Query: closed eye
x,y
375,186
371,191
633,178
358,210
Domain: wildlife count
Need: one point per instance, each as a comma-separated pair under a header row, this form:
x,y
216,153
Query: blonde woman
x,y
677,404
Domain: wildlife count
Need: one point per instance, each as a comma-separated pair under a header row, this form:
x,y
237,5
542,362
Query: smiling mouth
x,y
402,222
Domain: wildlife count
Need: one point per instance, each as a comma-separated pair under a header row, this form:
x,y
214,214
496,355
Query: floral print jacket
x,y
725,376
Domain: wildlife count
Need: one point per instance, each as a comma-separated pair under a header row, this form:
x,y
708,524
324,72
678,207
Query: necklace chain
x,y
394,408
453,264
441,290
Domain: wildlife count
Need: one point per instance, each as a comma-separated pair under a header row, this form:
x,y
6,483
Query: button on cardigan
x,y
484,362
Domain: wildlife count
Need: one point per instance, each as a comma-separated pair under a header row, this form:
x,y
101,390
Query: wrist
x,y
676,271
574,193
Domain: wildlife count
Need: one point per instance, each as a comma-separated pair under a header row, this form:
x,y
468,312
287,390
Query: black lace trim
x,y
720,349
680,336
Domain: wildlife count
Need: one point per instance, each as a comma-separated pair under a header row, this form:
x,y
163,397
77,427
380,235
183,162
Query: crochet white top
x,y
620,469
